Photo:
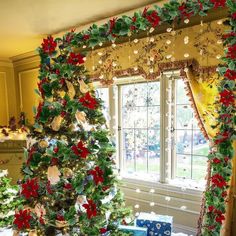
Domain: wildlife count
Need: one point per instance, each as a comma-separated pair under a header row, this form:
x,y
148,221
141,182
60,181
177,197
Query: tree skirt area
x,y
9,232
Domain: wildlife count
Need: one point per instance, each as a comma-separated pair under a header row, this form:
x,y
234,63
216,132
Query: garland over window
x,y
63,52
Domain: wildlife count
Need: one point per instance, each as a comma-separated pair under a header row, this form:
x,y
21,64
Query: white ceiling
x,y
25,22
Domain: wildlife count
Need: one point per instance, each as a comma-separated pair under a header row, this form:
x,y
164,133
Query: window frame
x,y
168,158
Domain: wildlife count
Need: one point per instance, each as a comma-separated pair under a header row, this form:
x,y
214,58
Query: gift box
x,y
137,231
160,225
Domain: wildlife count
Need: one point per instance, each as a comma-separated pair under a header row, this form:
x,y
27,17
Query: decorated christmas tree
x,y
8,200
70,183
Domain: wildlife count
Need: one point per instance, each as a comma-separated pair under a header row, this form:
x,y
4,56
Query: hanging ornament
x,y
84,88
32,233
71,89
80,116
67,173
43,144
39,210
81,200
53,174
56,123
61,223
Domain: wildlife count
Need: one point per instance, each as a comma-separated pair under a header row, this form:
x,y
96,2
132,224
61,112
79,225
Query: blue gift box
x,y
157,225
137,231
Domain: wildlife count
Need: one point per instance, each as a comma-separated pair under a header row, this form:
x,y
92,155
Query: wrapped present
x,y
137,231
157,225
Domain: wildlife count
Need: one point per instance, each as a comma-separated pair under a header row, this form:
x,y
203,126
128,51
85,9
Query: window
x,y
140,128
191,148
158,134
157,138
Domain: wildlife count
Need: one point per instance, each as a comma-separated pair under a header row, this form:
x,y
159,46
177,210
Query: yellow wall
x,y
7,91
26,77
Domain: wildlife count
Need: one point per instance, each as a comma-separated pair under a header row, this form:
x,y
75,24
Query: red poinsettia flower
x,y
226,159
97,174
103,230
220,218
48,187
40,86
153,19
105,188
184,12
63,113
227,97
88,101
224,194
60,217
86,37
62,81
39,109
54,161
232,52
75,58
56,149
200,5
211,208
230,74
80,150
233,15
68,186
144,14
112,24
216,161
218,181
231,34
49,45
22,219
222,137
218,3
30,188
91,209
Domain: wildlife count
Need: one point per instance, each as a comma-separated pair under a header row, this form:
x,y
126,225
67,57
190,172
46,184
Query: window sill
x,y
178,186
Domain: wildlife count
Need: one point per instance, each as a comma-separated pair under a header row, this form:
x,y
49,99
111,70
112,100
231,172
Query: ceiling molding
x,y
25,58
5,62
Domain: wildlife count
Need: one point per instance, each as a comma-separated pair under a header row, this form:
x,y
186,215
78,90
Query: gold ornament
x,y
43,144
71,89
80,116
56,123
84,88
61,224
62,94
67,173
53,174
32,233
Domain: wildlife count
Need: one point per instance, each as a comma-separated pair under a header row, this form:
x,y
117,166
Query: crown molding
x,y
5,62
25,58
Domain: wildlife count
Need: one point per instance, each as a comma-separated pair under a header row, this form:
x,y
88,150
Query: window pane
x,y
183,166
199,167
184,117
141,128
191,146
184,142
181,97
154,93
129,163
154,117
200,144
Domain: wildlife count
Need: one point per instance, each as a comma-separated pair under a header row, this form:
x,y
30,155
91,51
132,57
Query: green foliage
x,y
8,200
